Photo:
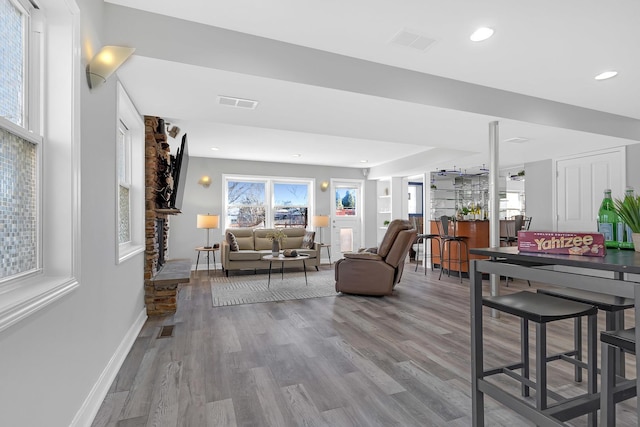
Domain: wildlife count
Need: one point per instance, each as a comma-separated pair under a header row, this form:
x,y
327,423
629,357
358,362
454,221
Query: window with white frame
x,y
130,178
20,139
265,202
124,184
38,96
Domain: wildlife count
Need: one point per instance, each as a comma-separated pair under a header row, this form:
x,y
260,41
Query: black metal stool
x,y
542,309
425,238
443,228
612,391
613,307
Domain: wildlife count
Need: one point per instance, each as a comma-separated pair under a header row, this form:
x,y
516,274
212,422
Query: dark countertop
x,y
617,260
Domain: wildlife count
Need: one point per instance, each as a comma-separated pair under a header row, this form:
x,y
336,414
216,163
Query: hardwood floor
x,y
402,360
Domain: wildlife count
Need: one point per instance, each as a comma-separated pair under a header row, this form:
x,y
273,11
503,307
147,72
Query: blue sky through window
x,y
291,194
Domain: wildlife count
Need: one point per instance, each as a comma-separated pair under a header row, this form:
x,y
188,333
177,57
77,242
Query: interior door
x,y
581,182
346,216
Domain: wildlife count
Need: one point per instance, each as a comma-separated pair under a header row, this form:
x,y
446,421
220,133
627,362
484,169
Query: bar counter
x,y
476,233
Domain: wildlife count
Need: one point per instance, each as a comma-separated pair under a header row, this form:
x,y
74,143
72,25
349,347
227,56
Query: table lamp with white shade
x,y
320,221
208,222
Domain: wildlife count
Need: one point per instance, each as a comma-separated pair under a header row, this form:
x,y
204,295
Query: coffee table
x,y
282,259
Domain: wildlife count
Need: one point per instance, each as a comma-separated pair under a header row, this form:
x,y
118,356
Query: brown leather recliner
x,y
376,272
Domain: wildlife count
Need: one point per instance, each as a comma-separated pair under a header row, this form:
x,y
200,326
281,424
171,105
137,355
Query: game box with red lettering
x,y
551,242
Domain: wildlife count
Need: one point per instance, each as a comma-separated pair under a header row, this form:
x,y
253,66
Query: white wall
x,y
51,361
183,234
539,186
538,192
633,171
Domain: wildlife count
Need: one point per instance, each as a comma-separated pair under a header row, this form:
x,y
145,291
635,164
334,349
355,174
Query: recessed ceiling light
x,y
364,161
296,155
481,34
606,75
215,148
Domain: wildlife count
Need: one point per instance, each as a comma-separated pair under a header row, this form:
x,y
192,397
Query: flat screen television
x,y
179,174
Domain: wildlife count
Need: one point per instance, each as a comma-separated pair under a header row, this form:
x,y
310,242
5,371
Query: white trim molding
x,y
91,405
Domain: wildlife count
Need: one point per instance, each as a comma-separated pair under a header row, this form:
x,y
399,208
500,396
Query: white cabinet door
x,y
581,181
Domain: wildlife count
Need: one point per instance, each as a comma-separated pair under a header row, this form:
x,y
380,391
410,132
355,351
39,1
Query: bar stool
x,y
543,309
613,307
424,238
446,239
611,392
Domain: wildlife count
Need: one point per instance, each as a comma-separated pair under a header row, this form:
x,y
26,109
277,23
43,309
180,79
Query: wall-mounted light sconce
x,y
105,63
205,181
173,131
365,172
324,185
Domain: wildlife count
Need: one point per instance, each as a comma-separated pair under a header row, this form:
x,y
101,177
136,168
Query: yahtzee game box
x,y
551,242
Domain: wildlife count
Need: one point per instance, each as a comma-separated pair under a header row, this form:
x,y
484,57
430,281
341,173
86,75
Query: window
x,y
246,203
291,201
45,166
346,201
124,184
14,21
267,202
130,178
20,141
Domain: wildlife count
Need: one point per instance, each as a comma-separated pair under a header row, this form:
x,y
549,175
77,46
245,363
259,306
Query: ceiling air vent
x,y
231,101
411,39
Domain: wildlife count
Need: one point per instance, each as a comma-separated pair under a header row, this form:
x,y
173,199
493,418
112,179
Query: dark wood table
x,y
613,274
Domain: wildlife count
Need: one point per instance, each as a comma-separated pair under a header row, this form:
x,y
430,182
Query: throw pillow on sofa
x,y
307,240
233,243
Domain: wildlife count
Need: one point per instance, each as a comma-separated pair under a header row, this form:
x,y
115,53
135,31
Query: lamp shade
x,y
320,221
208,221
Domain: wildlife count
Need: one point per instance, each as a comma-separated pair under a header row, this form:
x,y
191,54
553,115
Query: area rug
x,y
251,289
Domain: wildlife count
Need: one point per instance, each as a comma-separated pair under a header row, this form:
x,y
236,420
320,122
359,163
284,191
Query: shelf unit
x,y
454,192
388,205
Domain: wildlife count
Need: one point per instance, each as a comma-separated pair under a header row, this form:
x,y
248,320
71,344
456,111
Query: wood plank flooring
x,y
402,360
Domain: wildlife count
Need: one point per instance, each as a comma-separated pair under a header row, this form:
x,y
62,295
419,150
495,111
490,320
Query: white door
x,y
346,216
581,181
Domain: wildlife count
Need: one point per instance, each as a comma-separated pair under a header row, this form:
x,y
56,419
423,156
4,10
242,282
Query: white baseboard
x,y
84,417
217,266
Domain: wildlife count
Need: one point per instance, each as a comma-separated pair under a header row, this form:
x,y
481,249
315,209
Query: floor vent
x,y
166,331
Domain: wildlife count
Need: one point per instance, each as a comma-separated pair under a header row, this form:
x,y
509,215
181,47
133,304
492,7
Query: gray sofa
x,y
254,244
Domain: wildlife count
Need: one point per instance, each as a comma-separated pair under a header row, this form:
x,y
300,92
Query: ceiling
x,y
542,53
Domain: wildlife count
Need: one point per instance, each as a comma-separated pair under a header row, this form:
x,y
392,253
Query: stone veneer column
x,y
159,300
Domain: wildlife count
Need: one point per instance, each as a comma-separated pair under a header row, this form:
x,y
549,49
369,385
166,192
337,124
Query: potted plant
x,y
628,210
276,236
465,213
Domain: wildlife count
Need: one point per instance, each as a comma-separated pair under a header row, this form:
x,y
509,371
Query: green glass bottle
x,y
627,241
608,220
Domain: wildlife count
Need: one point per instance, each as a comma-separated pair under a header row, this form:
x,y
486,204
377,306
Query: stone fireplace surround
x,y
161,283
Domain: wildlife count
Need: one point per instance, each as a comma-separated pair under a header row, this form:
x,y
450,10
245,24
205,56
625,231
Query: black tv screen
x,y
179,174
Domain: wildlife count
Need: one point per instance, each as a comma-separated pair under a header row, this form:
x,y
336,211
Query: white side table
x,y
328,246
